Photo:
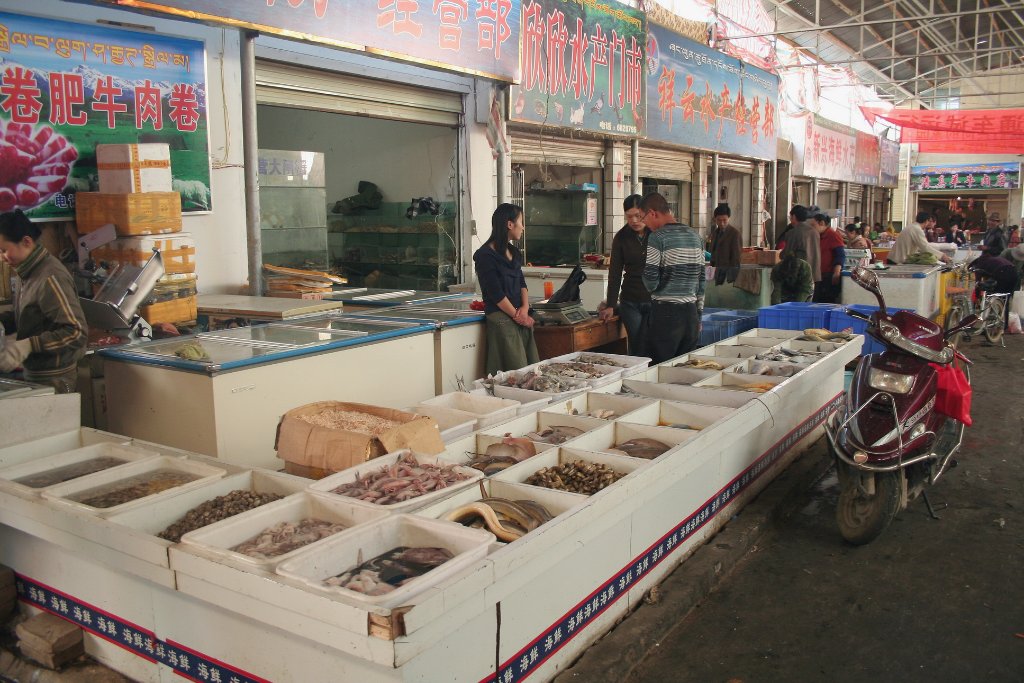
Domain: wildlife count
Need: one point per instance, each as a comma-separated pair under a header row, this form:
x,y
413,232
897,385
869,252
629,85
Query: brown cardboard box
x,y
138,213
768,257
309,448
748,256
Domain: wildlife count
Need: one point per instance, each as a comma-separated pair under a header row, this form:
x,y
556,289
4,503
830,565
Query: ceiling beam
x,y
898,58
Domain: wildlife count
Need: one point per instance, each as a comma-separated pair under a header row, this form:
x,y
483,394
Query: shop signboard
x,y
66,87
583,67
989,176
708,100
889,171
471,36
867,159
830,150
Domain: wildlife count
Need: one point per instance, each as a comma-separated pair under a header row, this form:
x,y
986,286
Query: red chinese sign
x,y
971,131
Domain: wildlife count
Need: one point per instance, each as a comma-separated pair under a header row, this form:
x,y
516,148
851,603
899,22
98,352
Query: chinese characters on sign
x,y
890,162
708,100
831,151
582,67
473,36
65,87
1001,176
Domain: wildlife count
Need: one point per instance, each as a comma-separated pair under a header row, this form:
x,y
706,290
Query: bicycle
x,y
990,310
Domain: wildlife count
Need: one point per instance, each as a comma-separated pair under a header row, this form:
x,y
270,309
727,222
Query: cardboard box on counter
x,y
313,451
125,168
748,256
139,213
768,257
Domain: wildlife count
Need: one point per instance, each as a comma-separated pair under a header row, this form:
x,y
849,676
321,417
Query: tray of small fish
x,y
32,476
397,481
573,470
802,357
736,381
533,380
594,375
694,362
272,533
506,509
630,365
389,562
133,484
645,442
768,368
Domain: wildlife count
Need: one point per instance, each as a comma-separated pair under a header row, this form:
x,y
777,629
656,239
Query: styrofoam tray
x,y
608,373
217,539
522,426
529,401
61,494
734,381
701,395
584,404
768,333
488,410
624,431
125,453
796,345
345,551
453,424
752,366
56,444
158,515
630,365
687,375
461,452
725,361
558,456
576,387
324,486
730,351
679,415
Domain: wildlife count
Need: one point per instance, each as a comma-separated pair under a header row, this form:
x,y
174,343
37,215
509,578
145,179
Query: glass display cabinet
x,y
561,226
293,209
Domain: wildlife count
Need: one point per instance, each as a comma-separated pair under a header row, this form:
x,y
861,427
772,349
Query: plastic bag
x,y
953,395
1014,324
1017,303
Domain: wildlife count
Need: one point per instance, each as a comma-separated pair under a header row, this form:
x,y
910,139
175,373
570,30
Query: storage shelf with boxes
x,y
136,197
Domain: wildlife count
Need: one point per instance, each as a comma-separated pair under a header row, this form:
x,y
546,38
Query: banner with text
x,y
889,171
66,87
583,67
992,176
830,150
708,100
867,159
472,36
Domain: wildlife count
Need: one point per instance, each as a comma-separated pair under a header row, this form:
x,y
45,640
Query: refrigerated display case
x,y
293,209
561,226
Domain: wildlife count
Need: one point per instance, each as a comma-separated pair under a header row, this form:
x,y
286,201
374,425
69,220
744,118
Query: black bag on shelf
x,y
570,291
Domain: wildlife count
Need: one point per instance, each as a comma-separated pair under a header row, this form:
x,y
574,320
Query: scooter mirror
x,y
865,278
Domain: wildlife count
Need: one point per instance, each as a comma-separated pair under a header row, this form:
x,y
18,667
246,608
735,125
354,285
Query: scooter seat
x,y
919,329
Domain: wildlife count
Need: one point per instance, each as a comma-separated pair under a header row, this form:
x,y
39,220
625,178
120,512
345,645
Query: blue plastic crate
x,y
840,320
795,315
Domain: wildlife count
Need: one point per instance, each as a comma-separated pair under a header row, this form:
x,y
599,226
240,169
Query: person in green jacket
x,y
791,278
50,327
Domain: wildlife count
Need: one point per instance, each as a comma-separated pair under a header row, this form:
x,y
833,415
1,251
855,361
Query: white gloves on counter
x,y
14,353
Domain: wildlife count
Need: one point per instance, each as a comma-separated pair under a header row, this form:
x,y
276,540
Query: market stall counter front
x,y
914,287
523,609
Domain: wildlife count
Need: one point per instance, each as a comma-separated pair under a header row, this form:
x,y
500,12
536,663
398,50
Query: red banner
x,y
1008,123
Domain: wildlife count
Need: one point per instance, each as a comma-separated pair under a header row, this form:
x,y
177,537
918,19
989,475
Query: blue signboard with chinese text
x,y
66,87
707,100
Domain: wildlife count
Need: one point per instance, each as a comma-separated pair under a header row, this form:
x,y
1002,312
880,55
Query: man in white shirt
x,y
912,240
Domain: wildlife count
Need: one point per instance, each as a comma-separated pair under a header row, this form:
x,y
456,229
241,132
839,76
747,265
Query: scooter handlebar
x,y
857,314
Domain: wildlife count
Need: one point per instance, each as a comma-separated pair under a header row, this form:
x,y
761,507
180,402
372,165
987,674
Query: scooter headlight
x,y
893,382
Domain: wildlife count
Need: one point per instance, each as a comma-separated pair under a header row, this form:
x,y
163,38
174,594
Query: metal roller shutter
x,y
738,165
533,148
291,86
665,164
856,192
828,185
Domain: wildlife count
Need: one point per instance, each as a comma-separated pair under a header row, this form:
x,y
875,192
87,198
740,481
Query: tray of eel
x,y
506,518
387,563
397,481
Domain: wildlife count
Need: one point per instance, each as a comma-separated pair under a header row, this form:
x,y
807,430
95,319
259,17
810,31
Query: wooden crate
x,y
138,213
172,311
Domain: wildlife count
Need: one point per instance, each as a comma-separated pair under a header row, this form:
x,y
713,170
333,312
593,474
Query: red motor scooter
x,y
888,441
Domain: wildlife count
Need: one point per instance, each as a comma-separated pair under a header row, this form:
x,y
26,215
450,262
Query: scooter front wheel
x,y
863,518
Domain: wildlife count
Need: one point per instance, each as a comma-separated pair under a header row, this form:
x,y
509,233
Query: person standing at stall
x,y
49,325
725,246
629,254
499,269
801,236
674,275
832,253
912,241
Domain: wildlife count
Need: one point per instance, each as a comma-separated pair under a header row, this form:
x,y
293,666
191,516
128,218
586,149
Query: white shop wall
x,y
405,160
219,234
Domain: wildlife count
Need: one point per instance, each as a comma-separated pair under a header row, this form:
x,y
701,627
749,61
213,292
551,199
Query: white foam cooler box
x,y
346,551
487,410
27,477
453,424
127,168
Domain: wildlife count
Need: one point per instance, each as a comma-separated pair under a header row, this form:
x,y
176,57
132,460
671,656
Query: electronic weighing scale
x,y
115,307
564,313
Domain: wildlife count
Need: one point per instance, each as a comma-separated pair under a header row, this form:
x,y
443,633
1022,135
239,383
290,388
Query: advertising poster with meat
x,y
472,36
704,99
582,67
66,87
830,149
990,176
889,172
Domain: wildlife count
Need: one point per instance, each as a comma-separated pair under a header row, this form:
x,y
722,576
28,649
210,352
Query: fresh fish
x,y
648,449
387,571
555,434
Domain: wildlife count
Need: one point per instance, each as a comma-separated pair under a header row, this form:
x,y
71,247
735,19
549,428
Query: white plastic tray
x,y
217,539
529,401
585,404
453,424
554,457
576,387
324,486
123,452
488,410
608,373
61,494
630,365
343,552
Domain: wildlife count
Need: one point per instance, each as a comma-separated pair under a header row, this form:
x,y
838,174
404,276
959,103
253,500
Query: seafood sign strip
x,y
404,480
389,570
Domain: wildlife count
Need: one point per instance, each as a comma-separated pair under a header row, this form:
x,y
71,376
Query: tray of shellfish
x,y
573,470
398,481
126,486
387,563
272,533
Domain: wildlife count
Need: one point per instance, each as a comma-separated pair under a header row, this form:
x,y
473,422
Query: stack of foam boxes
x,y
136,196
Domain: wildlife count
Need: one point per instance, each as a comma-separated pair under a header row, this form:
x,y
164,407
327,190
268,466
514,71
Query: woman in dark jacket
x,y
499,269
48,319
629,254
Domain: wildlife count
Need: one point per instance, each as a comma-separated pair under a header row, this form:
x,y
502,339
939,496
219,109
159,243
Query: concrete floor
x,y
929,601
